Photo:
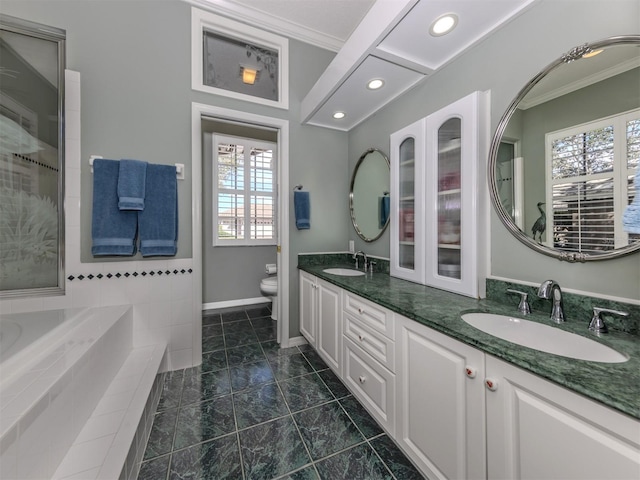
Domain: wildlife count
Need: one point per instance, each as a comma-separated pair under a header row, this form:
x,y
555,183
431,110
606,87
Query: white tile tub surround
x,y
103,449
164,308
43,411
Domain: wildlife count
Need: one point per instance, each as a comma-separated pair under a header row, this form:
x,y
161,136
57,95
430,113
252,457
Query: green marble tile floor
x,y
254,411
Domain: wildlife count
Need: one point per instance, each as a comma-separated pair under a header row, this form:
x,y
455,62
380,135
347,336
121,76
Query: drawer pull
x,y
470,372
361,338
360,310
491,384
362,379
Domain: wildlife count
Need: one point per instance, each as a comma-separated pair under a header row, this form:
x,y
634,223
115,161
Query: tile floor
x,y
254,411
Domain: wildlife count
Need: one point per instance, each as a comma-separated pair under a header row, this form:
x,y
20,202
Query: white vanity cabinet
x,y
437,171
539,430
440,397
369,357
321,318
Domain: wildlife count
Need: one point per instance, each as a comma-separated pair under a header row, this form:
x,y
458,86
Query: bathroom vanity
x,y
464,404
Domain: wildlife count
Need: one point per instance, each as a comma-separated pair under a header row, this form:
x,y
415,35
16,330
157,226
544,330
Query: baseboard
x,y
297,341
235,303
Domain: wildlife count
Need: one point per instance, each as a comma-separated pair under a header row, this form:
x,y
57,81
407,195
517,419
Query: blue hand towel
x,y
302,208
631,216
131,184
158,222
113,232
385,207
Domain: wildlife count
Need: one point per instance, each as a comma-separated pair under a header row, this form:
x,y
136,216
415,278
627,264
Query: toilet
x,y
269,288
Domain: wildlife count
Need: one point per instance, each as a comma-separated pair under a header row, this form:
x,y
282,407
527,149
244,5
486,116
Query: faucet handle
x,y
597,324
523,306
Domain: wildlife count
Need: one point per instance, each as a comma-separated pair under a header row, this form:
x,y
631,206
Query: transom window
x,y
591,167
244,197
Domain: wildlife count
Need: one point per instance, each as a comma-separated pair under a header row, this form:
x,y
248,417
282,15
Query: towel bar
x,y
179,167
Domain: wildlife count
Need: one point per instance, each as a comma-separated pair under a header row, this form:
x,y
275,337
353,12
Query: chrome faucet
x,y
550,290
364,256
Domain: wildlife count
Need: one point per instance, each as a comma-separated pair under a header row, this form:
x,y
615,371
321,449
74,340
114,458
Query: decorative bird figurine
x,y
540,224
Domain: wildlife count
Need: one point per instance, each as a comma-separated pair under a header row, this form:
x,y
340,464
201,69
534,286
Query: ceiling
x,y
386,39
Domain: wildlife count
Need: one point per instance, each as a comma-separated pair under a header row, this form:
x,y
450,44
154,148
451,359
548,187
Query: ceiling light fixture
x,y
375,84
443,24
249,74
339,115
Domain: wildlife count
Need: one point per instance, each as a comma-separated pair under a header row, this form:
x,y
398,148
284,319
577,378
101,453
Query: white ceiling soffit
x,y
324,23
398,32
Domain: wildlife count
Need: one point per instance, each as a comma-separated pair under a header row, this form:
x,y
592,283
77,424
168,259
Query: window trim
x,y
246,241
201,21
619,174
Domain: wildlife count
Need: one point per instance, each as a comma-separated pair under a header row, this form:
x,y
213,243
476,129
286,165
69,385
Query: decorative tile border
x,y
152,273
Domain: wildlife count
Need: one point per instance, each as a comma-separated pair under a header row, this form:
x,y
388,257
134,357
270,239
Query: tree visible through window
x,y
591,169
244,194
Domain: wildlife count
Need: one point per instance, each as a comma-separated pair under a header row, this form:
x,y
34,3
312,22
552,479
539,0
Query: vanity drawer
x,y
371,341
371,383
377,317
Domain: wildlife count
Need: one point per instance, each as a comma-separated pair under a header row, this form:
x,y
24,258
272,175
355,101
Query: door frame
x,y
199,110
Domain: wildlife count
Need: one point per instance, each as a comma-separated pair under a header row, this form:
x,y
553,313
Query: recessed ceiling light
x,y
443,24
375,84
339,115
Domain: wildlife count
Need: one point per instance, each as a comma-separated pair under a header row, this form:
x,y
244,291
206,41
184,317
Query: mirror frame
x,y
573,54
353,179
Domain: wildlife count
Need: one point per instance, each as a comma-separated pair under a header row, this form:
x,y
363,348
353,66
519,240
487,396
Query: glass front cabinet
x,y
438,198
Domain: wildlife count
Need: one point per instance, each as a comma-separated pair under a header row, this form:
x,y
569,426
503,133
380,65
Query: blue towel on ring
x,y
385,208
302,208
131,184
112,232
158,222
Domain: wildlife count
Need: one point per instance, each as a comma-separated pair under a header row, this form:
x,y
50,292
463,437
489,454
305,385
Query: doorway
x,y
203,116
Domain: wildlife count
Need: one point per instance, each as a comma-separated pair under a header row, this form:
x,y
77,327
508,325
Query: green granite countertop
x,y
616,385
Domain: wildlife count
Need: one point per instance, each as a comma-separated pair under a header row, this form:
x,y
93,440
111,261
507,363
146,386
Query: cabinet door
x,y
539,430
440,401
456,139
407,202
308,309
329,325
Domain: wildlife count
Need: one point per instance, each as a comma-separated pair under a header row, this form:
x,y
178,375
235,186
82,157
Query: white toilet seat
x,y
269,286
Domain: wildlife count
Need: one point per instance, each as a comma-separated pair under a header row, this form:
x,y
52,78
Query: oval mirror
x,y
369,195
565,154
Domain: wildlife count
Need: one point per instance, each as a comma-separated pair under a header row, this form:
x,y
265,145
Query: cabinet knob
x,y
470,371
491,384
360,310
362,379
361,338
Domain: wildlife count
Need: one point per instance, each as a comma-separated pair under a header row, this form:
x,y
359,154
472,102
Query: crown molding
x,y
269,22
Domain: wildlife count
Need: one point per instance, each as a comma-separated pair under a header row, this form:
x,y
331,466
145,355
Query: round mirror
x,y
565,154
369,195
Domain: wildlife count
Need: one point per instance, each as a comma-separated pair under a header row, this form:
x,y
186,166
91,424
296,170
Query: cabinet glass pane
x,y
406,221
449,252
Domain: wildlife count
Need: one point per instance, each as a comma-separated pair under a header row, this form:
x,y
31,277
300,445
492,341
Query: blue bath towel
x,y
112,232
131,184
302,208
385,207
631,216
158,222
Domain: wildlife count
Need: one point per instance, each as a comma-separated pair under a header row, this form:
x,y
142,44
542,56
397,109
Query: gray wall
x,y
503,64
135,61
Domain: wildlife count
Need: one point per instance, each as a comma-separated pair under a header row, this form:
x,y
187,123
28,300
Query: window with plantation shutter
x,y
591,169
244,197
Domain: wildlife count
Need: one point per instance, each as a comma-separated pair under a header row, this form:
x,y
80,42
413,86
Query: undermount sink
x,y
344,272
545,338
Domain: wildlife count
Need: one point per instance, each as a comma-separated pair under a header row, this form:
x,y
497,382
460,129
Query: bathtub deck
x,y
102,449
76,407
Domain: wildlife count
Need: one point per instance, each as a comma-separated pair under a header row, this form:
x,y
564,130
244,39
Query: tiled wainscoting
x,y
254,411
